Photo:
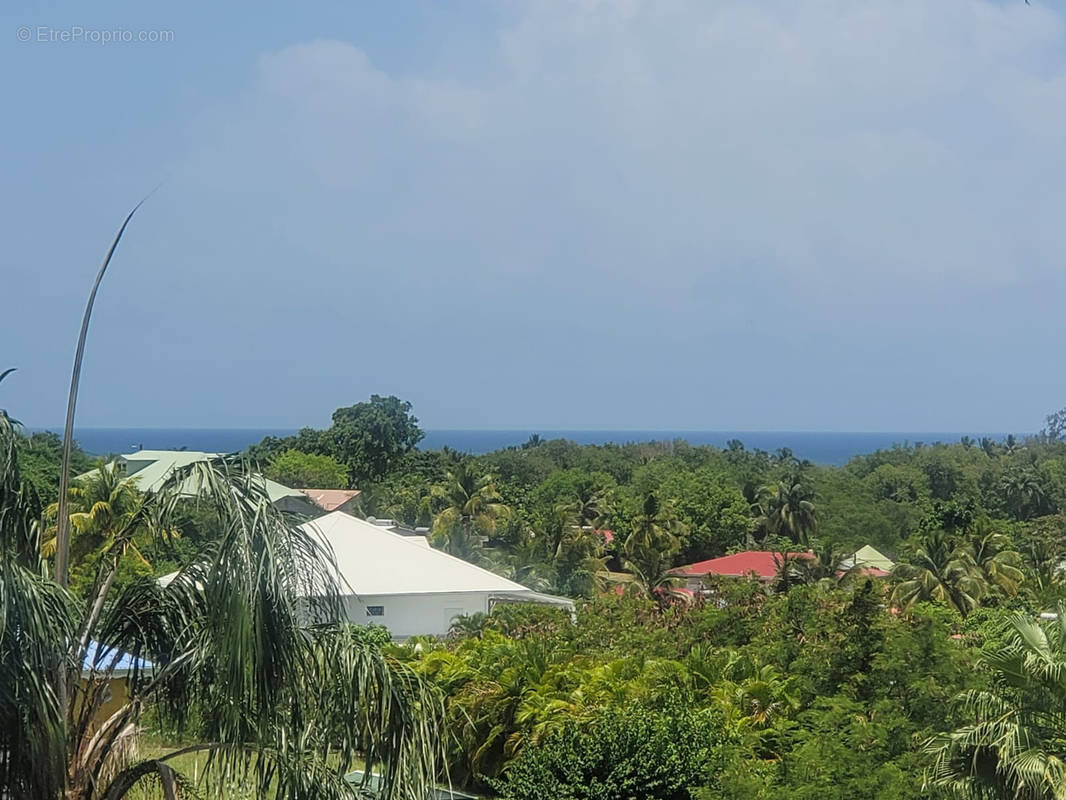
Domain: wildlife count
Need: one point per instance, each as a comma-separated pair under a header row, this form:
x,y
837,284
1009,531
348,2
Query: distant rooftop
x,y
374,560
763,564
103,658
148,470
331,499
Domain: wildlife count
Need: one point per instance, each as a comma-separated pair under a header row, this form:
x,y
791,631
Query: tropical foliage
x,y
279,695
826,681
307,471
368,438
756,696
1013,741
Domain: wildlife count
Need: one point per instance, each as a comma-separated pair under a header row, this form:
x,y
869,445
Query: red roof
x,y
763,563
873,572
330,499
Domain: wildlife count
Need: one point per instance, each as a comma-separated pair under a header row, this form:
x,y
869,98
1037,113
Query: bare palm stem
x,y
62,563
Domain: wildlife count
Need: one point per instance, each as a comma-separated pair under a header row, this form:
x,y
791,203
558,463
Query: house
x,y
760,565
148,470
764,565
870,560
403,583
109,671
346,500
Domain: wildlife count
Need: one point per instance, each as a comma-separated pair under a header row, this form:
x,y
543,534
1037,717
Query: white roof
x,y
373,560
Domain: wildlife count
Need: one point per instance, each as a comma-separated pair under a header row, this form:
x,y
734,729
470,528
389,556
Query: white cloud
x,y
861,143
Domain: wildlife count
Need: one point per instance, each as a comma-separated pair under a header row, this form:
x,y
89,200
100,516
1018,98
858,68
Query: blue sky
x,y
784,215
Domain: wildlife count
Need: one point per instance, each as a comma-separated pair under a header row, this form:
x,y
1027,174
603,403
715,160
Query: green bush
x,y
624,754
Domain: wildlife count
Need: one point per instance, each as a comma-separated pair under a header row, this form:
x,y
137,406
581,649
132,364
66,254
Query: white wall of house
x,y
415,614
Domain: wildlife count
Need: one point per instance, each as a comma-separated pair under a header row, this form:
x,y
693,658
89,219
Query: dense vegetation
x,y
280,696
822,683
813,693
966,519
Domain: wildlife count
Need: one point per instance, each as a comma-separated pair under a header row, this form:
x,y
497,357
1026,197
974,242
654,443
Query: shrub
x,y
623,754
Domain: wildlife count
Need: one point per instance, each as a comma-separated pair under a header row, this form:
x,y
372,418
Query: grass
x,y
191,766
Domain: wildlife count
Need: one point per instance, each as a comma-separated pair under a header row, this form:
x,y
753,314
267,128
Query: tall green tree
x,y
1023,494
40,455
715,514
307,471
470,505
1000,564
105,513
369,438
787,509
651,545
939,571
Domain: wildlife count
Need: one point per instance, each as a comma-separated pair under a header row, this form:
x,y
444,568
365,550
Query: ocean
x,y
827,447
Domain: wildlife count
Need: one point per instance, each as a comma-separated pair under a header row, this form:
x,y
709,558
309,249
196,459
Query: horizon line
x,y
537,430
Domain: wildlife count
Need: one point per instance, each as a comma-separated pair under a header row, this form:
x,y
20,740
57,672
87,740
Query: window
x,y
375,611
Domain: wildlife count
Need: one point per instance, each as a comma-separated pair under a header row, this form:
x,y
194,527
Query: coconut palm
x,y
786,509
824,566
469,503
286,696
102,505
938,571
524,563
589,504
1023,493
1014,738
580,566
998,561
1043,571
651,545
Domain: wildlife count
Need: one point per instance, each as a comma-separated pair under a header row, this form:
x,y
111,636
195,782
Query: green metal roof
x,y
148,470
868,556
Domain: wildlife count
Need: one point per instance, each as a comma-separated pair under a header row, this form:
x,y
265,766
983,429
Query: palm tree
x,y
524,563
589,503
1011,445
650,547
998,561
580,566
102,506
755,695
937,571
1043,571
486,687
472,507
786,509
825,566
1023,494
1014,740
286,695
